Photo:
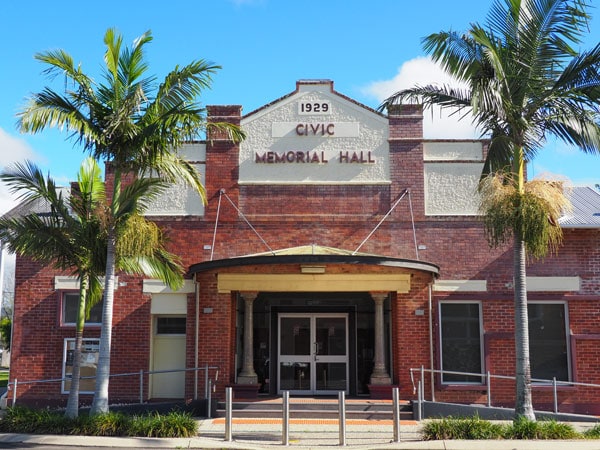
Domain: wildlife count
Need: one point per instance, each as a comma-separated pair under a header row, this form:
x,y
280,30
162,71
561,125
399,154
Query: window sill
x,y
462,387
549,387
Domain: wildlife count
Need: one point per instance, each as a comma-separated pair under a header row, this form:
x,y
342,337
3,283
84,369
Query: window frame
x,y
62,310
442,382
566,337
157,317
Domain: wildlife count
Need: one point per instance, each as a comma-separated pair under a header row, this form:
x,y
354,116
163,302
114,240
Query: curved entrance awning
x,y
312,272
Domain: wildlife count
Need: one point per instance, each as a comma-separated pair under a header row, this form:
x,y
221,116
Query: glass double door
x,y
313,353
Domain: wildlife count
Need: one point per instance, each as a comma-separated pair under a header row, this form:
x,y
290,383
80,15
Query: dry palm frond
x,y
531,216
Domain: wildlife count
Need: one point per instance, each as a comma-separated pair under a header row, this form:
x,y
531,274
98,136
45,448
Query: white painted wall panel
x,y
451,188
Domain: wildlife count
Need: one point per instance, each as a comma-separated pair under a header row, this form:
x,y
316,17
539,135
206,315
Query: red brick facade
x,y
334,215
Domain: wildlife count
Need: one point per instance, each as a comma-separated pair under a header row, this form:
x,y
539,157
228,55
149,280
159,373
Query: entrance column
x,y
248,375
380,376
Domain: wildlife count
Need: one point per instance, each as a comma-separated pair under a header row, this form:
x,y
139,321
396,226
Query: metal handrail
x,y
207,384
487,377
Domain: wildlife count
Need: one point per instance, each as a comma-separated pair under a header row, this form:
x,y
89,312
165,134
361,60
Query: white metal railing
x,y
285,416
419,386
208,382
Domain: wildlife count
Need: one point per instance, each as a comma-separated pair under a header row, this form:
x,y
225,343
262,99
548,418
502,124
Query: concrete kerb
x,y
249,435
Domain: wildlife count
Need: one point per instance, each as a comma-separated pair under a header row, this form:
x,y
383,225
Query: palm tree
x,y
71,234
135,127
523,80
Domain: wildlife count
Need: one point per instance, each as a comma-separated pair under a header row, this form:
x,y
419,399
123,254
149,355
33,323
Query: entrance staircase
x,y
316,408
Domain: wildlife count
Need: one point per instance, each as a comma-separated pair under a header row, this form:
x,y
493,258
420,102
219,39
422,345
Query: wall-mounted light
x,y
312,269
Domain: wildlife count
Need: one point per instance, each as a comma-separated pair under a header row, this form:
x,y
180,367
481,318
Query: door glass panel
x,y
313,353
294,376
331,335
331,376
295,336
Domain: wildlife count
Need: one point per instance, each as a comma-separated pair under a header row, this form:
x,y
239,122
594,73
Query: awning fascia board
x,y
231,282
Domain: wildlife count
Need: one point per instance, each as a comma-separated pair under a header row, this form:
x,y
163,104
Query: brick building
x,y
339,249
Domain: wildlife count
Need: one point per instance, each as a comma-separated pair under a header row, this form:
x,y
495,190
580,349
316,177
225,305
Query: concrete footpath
x,y
303,434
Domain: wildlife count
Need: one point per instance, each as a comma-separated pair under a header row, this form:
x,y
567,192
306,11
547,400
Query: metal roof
x,y
38,206
314,254
586,209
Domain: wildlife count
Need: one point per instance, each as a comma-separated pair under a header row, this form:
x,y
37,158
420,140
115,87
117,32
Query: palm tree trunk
x,y
100,402
72,410
523,404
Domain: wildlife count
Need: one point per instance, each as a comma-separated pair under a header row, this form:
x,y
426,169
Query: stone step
x,y
365,409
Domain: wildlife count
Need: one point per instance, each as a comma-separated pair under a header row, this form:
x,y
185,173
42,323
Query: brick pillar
x,y
406,154
222,159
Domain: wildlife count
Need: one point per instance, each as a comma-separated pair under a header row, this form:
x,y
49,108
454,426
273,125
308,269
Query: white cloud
x,y
423,71
12,149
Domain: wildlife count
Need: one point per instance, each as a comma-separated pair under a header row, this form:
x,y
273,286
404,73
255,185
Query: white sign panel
x,y
315,136
315,129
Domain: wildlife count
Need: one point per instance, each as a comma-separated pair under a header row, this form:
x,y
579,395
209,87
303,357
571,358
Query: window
x,y
170,325
70,302
88,364
548,350
461,349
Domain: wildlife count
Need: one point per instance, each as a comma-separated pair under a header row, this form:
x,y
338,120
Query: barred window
x,y
461,349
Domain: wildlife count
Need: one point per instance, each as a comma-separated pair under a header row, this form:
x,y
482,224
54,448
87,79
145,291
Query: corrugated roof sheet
x,y
586,209
312,249
38,206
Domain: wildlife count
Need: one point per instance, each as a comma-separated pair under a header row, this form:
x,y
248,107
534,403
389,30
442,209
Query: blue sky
x,y
369,49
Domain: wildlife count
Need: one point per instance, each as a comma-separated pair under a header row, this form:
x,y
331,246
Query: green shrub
x,y
178,424
110,424
25,420
462,428
592,433
173,424
523,428
551,429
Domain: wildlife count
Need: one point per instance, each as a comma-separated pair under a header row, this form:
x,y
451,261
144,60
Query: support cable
x,y
412,219
212,249
246,220
406,191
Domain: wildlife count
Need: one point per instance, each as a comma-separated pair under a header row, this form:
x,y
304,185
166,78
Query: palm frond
x,y
530,216
140,249
40,238
226,129
455,52
171,168
182,85
430,95
163,266
582,131
60,62
136,196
